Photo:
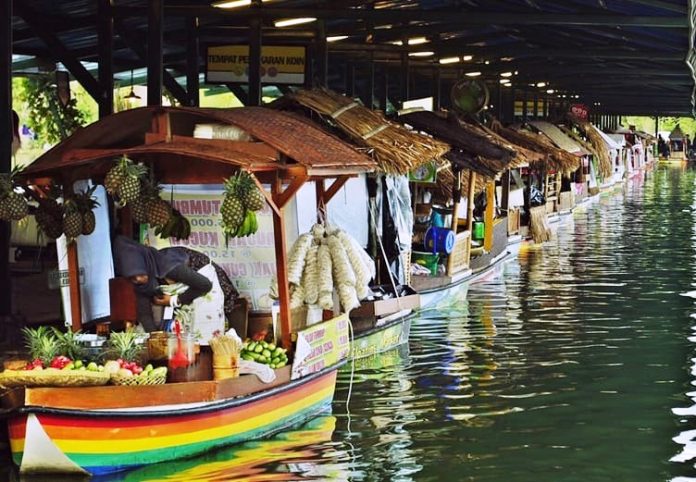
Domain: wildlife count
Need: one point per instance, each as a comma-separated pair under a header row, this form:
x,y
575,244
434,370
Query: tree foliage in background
x,y
47,117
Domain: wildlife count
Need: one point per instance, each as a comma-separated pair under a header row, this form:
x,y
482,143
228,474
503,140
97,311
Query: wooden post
x,y
74,281
322,55
192,84
5,147
106,68
405,74
505,189
470,211
155,64
437,88
488,216
282,266
255,61
457,198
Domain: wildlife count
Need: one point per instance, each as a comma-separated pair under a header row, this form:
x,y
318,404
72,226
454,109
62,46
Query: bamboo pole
x,y
488,217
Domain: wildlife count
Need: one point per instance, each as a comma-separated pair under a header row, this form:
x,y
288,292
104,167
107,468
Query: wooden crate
x,y
458,260
513,219
567,201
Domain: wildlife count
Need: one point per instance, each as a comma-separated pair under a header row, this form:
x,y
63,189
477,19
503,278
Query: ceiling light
x,y
425,53
504,81
506,74
289,22
541,84
550,91
412,41
473,74
467,58
336,38
450,60
516,72
234,3
507,85
487,62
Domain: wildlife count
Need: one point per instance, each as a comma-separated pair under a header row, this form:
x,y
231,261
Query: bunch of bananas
x,y
178,227
248,227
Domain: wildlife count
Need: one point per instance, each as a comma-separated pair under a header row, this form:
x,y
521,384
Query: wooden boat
x,y
100,430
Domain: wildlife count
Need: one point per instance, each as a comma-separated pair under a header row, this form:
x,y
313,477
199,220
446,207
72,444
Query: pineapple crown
x,y
124,345
85,200
69,344
9,181
41,343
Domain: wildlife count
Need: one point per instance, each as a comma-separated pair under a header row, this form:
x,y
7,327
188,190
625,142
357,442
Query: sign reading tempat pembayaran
x,y
279,65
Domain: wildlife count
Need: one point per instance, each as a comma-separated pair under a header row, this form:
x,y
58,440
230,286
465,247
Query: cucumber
x,y
271,346
266,353
278,351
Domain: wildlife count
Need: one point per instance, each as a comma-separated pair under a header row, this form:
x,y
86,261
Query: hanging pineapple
x,y
86,202
72,220
129,189
13,206
49,213
251,196
232,209
116,175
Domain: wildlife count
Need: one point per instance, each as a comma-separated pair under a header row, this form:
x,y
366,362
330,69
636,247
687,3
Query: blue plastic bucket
x,y
439,240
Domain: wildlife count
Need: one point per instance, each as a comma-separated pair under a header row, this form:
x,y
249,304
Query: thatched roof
x,y
396,149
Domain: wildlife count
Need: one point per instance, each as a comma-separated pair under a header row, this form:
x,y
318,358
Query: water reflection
x,y
576,363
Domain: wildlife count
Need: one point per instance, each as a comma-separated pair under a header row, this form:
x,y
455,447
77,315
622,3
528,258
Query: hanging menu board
x,y
279,65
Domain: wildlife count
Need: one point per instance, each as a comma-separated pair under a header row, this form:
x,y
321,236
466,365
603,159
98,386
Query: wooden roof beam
x,y
59,51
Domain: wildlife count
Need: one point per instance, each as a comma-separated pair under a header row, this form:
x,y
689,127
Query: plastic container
x,y
439,240
441,216
479,229
184,362
429,260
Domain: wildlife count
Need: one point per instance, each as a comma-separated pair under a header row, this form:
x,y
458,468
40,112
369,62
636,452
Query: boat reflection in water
x,y
294,454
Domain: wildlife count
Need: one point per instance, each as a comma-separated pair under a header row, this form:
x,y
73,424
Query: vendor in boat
x,y
148,268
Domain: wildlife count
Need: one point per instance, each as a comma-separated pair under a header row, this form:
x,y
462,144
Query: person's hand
x,y
162,300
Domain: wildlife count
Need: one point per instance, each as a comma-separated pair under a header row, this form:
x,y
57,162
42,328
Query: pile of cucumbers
x,y
266,353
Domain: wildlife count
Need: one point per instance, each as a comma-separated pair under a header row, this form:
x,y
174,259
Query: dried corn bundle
x,y
362,273
296,259
325,277
368,262
348,297
310,276
342,270
297,296
318,233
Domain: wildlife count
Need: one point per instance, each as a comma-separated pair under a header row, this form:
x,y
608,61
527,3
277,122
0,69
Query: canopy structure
x,y
618,140
676,134
559,138
276,148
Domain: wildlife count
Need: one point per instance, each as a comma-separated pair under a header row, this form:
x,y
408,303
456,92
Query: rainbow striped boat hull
x,y
105,441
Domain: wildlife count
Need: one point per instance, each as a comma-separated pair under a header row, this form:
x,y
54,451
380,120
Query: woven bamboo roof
x,y
396,149
165,136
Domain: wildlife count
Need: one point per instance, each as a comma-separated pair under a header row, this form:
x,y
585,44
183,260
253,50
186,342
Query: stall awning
x,y
165,136
613,141
559,137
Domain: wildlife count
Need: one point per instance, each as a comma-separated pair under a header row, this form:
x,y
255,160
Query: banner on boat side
x,y
321,346
279,64
248,261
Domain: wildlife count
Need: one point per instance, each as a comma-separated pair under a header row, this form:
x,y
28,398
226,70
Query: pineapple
x,y
68,344
72,220
249,192
86,202
129,189
116,175
124,345
41,343
4,211
232,209
159,211
15,207
139,210
49,219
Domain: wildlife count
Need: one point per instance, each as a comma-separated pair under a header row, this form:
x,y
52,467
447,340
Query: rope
x,y
374,132
343,109
373,216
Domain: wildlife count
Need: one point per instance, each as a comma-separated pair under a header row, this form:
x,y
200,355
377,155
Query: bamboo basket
x,y
139,380
226,352
52,378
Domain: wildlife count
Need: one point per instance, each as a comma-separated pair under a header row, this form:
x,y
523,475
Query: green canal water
x,y
574,364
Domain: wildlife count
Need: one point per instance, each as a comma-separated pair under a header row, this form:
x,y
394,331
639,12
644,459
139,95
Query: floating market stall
x,y
476,159
380,323
102,429
677,148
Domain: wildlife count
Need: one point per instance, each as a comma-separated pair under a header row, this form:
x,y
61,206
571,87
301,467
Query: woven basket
x,y
52,378
139,380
